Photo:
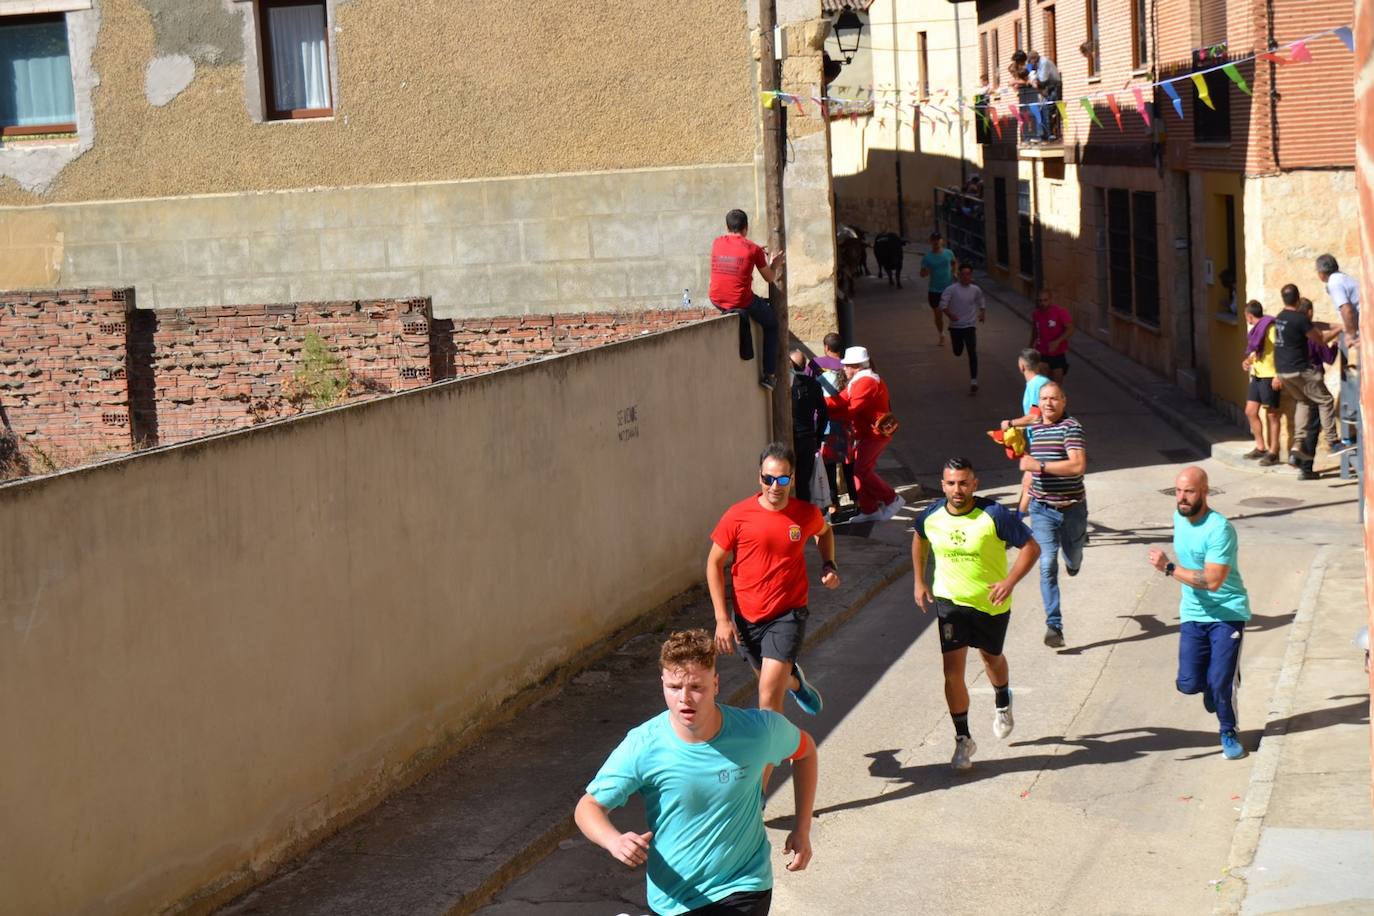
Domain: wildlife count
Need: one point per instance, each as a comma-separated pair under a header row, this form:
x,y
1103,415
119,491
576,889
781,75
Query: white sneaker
x,y
964,749
1002,721
892,508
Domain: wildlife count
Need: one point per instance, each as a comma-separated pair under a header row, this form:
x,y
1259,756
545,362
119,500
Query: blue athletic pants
x,y
1209,657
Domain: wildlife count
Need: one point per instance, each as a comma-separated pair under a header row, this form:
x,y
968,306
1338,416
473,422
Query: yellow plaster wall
x,y
1226,334
431,90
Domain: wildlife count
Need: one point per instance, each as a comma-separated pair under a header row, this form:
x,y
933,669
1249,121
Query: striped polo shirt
x,y
1053,442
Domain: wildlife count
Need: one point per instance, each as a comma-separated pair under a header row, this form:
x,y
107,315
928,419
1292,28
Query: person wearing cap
x,y
863,402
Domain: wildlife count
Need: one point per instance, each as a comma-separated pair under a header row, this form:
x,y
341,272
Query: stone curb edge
x,y
1245,840
540,847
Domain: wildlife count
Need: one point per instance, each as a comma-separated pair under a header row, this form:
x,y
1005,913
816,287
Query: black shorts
x,y
962,627
1262,391
780,638
934,299
1057,362
743,903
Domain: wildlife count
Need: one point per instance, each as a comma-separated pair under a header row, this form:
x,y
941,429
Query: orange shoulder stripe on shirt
x,y
804,747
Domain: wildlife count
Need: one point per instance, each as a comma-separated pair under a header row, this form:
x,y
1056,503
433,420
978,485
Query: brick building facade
x,y
1136,226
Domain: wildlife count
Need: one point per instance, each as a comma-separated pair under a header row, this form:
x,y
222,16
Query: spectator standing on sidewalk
x,y
1344,291
1302,381
940,265
1263,390
767,534
971,592
1051,328
1214,605
965,307
863,404
1058,500
733,261
835,446
809,419
700,768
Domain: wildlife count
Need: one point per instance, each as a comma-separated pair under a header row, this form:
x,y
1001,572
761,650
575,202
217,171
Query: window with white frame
x,y
295,58
36,92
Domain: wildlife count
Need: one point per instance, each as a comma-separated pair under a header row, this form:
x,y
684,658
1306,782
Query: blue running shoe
x,y
1231,746
1209,702
807,697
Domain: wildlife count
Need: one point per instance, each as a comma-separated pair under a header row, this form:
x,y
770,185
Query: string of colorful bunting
x,y
958,111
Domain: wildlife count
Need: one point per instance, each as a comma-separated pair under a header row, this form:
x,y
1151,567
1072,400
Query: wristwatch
x,y
1169,569
828,566
1042,467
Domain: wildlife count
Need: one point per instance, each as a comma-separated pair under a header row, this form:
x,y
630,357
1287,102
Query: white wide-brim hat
x,y
855,356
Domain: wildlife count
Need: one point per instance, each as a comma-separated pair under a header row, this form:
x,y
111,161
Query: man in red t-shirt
x,y
767,533
1051,328
733,261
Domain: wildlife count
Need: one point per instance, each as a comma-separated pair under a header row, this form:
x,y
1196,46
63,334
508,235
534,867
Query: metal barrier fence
x,y
959,218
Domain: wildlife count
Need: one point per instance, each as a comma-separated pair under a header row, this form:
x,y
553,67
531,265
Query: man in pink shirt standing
x,y
1051,328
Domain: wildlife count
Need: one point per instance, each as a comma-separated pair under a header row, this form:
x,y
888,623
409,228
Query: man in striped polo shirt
x,y
1058,506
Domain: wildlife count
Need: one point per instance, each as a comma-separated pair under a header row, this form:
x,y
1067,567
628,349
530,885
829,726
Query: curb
x,y
1245,841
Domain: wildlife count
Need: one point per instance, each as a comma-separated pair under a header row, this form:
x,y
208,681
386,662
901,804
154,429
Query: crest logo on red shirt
x,y
794,532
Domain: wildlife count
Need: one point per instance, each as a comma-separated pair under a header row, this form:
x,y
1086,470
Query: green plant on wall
x,y
322,379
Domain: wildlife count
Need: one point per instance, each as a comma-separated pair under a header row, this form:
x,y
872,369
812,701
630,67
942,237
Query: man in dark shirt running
x,y
1058,501
1303,381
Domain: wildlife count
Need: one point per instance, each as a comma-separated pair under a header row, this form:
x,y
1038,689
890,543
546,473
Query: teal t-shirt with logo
x,y
941,267
702,802
1212,540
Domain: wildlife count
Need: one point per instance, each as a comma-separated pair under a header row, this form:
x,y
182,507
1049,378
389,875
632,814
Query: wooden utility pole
x,y
774,139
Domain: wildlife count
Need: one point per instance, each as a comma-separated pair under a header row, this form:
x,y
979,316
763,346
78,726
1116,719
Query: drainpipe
x,y
1273,83
959,78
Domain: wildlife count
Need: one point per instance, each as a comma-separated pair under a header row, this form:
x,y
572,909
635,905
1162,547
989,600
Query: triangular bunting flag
x,y
1116,109
796,100
1172,93
1347,37
997,124
1087,103
1231,71
1015,111
767,99
1200,81
1272,57
1063,112
1300,53
1140,106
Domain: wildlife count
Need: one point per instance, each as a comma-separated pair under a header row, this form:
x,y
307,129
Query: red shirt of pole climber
x,y
733,259
770,568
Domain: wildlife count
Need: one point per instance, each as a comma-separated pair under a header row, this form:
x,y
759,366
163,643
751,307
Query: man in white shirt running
x,y
965,307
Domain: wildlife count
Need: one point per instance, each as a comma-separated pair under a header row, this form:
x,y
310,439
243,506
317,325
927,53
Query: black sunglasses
x,y
769,480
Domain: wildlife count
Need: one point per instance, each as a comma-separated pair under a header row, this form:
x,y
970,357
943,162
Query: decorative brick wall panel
x,y
483,344
62,370
221,367
82,372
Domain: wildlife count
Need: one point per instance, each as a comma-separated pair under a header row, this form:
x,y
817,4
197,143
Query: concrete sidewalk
x,y
1303,839
448,843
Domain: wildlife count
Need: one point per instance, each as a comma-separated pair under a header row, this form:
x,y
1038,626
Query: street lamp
x,y
848,28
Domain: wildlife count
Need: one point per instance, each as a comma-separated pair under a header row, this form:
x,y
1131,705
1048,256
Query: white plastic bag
x,y
820,485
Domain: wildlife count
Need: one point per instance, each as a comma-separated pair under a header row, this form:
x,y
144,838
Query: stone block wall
x,y
63,370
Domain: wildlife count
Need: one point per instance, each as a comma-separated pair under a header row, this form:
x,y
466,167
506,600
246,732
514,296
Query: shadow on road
x,y
1151,627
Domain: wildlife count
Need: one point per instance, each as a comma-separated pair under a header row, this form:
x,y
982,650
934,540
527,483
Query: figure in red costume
x,y
863,404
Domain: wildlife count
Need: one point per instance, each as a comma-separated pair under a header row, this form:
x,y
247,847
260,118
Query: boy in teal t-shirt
x,y
1213,607
939,265
699,767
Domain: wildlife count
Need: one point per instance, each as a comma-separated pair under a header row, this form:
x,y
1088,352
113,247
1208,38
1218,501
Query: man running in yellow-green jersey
x,y
971,592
